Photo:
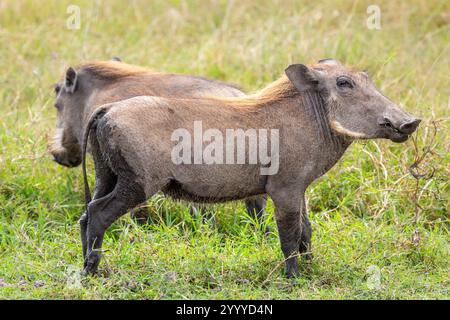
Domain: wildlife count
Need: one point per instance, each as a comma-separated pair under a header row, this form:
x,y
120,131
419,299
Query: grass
x,y
369,214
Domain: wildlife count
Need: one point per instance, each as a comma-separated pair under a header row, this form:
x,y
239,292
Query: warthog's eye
x,y
57,88
344,82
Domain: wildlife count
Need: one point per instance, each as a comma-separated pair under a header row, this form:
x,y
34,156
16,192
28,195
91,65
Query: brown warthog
x,y
317,112
92,84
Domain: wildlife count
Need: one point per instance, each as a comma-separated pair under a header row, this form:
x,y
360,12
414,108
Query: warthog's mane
x,y
311,101
115,71
112,70
275,91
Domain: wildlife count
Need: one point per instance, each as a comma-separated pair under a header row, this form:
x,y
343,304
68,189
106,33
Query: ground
x,y
379,232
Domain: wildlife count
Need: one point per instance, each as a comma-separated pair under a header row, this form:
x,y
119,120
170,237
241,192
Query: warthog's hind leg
x,y
105,181
103,212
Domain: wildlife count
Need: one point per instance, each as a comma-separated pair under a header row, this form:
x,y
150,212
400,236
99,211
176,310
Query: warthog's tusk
x,y
337,127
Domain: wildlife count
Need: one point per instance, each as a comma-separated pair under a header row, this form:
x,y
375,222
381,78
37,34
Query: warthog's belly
x,y
209,194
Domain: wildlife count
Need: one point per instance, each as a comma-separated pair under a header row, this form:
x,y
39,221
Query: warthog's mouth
x,y
67,162
393,133
65,152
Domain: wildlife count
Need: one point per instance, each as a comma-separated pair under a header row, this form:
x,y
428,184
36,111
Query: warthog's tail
x,y
100,112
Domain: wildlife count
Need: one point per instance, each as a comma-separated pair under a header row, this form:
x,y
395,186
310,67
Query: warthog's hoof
x,y
84,272
292,270
88,270
91,263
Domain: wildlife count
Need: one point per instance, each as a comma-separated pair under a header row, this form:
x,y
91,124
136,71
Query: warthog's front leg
x,y
290,231
288,216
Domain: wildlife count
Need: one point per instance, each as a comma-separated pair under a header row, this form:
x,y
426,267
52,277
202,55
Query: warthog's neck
x,y
92,102
307,142
99,93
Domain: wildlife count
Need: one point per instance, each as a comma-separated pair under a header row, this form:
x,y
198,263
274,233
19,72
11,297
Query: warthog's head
x,y
355,107
73,95
65,147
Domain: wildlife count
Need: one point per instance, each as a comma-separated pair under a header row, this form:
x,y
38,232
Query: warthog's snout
x,y
63,160
399,130
409,126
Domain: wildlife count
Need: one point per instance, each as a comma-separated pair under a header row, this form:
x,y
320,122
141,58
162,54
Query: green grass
x,y
367,211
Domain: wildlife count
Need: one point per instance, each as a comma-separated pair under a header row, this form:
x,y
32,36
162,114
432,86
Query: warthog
x,y
318,111
92,84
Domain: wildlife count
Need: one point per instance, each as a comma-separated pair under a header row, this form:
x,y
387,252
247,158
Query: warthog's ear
x,y
70,82
302,77
116,59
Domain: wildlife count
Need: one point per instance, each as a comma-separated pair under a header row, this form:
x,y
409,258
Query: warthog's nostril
x,y
387,123
407,127
410,126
